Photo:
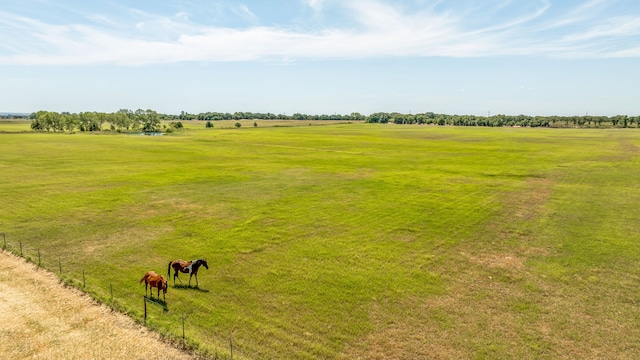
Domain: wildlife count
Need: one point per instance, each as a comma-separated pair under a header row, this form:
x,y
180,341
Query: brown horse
x,y
187,267
152,279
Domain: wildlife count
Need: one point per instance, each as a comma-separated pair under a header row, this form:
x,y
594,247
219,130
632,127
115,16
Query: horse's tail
x,y
143,278
169,269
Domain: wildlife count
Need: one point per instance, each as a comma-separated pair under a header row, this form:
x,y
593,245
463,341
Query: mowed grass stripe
x,y
348,240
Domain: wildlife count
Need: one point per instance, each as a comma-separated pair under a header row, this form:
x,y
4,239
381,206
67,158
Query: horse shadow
x,y
159,302
189,287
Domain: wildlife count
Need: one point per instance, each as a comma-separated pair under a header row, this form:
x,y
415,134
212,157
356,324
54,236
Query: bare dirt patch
x,y
43,319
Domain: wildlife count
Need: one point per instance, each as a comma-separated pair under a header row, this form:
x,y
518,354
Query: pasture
x,y
14,125
348,240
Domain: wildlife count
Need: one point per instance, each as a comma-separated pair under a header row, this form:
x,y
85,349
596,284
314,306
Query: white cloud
x,y
377,29
183,16
615,27
244,12
315,4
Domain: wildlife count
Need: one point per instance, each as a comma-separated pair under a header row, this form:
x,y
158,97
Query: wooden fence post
x,y
60,266
231,344
84,282
20,242
183,330
111,287
145,308
38,257
5,241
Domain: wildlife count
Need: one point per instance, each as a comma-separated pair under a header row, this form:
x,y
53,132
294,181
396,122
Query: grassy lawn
x,y
14,125
347,240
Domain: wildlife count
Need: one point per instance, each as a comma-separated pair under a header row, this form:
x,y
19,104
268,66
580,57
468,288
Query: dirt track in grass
x,y
43,319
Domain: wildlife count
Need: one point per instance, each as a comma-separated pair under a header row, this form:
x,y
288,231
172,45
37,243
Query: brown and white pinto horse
x,y
187,267
152,279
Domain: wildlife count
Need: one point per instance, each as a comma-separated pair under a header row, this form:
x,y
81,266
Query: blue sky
x,y
536,57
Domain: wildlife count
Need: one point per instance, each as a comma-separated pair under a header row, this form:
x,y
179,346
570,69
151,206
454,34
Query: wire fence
x,y
67,276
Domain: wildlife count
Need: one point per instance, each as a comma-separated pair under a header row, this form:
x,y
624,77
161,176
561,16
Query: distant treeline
x,y
13,116
149,120
436,119
505,120
212,116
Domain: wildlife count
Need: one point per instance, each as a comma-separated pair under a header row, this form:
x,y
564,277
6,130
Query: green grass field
x,y
347,240
14,125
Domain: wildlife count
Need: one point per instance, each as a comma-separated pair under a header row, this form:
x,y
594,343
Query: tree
x,y
379,117
151,121
39,122
89,121
357,116
57,121
70,122
238,125
138,119
119,120
46,120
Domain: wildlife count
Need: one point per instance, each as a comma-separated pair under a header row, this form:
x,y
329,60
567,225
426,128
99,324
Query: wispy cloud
x,y
377,29
618,27
244,12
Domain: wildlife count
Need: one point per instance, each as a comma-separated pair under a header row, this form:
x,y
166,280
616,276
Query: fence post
x,y
20,242
231,344
60,266
145,308
111,287
84,282
5,241
38,257
182,329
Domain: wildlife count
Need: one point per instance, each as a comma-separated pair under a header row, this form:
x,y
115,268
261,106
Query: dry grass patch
x,y
502,261
43,319
526,205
